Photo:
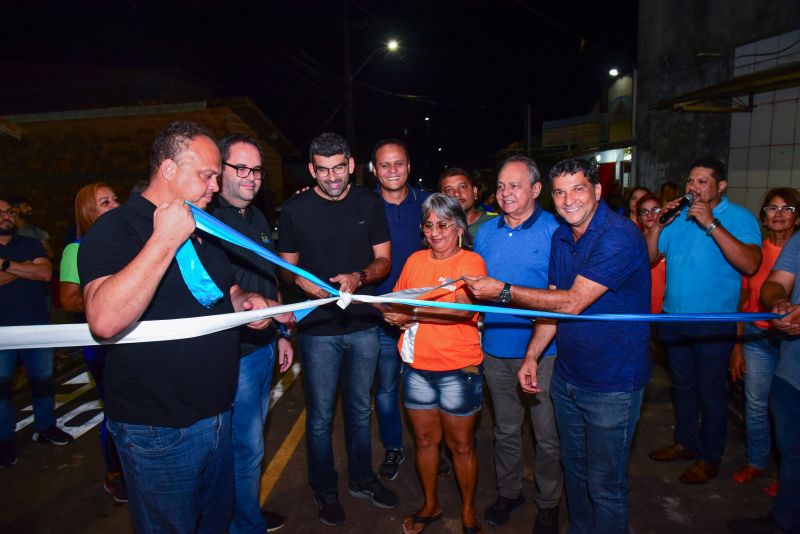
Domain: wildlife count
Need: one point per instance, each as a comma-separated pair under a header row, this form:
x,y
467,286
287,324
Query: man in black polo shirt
x,y
338,232
242,172
168,402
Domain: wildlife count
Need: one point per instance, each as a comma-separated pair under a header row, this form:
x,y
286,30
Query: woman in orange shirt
x,y
648,210
443,369
756,358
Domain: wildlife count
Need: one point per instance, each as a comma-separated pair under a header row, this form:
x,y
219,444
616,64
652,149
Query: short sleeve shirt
x,y
24,301
519,256
443,347
332,238
789,363
699,278
403,220
69,264
165,383
598,355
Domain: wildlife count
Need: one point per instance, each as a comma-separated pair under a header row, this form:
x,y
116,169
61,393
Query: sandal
x,y
421,520
475,529
746,474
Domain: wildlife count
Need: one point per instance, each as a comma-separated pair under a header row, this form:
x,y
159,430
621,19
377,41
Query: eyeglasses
x,y
8,213
323,172
772,209
442,226
652,211
243,171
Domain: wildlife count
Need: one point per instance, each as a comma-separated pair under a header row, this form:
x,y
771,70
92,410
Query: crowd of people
x,y
184,445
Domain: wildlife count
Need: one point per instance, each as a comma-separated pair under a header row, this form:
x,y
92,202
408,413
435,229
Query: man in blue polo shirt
x,y
516,249
708,246
598,264
403,204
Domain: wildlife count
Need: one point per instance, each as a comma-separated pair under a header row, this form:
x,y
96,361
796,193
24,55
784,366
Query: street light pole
x,y
348,78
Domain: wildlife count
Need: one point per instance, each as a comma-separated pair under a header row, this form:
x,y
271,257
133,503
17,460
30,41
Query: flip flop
x,y
424,520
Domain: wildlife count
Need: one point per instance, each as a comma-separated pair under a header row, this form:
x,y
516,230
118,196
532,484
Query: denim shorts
x,y
457,392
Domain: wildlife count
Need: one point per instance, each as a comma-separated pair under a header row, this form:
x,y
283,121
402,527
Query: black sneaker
x,y
546,521
499,513
443,469
331,512
8,453
391,464
274,520
373,490
115,486
53,435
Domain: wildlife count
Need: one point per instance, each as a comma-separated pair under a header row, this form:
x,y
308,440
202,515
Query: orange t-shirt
x,y
658,276
439,347
752,284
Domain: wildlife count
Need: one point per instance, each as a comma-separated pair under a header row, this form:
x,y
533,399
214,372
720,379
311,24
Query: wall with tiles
x,y
765,144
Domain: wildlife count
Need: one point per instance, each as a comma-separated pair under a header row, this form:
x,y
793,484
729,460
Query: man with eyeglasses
x,y
403,205
708,246
338,231
24,273
455,182
242,177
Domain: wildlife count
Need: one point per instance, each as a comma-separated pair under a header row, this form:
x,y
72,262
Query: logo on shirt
x,y
449,287
264,238
361,222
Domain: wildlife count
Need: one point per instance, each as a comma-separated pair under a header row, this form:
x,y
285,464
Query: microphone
x,y
686,199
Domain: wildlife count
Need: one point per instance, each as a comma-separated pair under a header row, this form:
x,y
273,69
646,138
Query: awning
x,y
718,98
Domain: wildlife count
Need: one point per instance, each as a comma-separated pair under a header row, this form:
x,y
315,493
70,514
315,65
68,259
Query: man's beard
x,y
6,231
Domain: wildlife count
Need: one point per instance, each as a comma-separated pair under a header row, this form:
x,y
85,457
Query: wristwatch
x,y
362,278
505,294
5,265
712,226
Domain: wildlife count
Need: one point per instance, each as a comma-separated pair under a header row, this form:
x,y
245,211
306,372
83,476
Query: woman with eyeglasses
x,y
756,357
443,360
91,202
647,211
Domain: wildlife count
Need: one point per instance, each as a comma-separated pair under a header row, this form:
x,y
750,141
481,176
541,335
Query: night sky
x,y
472,66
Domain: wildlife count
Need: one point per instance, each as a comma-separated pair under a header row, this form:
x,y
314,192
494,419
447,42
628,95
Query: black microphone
x,y
686,199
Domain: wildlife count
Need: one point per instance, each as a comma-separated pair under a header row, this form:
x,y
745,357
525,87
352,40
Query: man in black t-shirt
x,y
338,232
24,273
168,402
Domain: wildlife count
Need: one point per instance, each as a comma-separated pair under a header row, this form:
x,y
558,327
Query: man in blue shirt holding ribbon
x,y
598,264
168,402
708,246
516,249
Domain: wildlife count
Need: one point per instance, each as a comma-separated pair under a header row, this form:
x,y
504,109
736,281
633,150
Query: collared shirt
x,y
518,255
598,355
789,363
404,220
250,271
699,278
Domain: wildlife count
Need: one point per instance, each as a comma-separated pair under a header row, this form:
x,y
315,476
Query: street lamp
x,y
613,72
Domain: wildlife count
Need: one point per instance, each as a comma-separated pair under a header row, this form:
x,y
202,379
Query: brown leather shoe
x,y
676,451
699,473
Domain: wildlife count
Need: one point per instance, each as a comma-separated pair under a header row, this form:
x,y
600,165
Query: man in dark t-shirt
x,y
24,273
338,232
168,402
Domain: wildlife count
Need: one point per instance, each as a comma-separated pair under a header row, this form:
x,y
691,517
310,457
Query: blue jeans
x,y
698,360
387,392
761,351
39,368
595,430
247,421
786,410
178,479
348,360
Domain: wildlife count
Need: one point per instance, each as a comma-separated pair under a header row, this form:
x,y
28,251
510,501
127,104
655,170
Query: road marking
x,y
61,399
281,458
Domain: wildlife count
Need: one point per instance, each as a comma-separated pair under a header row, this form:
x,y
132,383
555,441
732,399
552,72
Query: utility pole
x,y
348,79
